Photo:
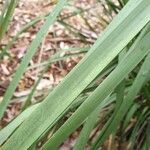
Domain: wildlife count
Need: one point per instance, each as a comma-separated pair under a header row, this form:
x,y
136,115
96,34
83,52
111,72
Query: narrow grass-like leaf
x,y
24,28
90,123
141,119
11,127
91,120
121,87
6,18
127,103
129,115
133,57
3,11
31,51
51,60
120,91
147,141
55,58
146,90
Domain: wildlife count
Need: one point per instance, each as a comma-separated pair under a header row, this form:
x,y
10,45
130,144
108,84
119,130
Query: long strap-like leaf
x,y
127,103
105,88
31,51
7,16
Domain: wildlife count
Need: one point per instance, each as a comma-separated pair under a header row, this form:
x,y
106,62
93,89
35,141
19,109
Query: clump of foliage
x,y
111,84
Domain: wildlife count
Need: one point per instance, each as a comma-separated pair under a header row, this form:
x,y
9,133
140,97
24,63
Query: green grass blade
x,y
3,11
113,40
148,137
5,21
120,91
127,103
121,87
11,127
91,120
133,57
24,28
51,60
129,115
55,58
141,118
90,123
31,51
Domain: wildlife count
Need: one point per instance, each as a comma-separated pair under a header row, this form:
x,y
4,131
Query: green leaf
x,y
147,137
127,103
7,16
31,51
11,127
90,123
129,115
141,119
23,29
136,53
